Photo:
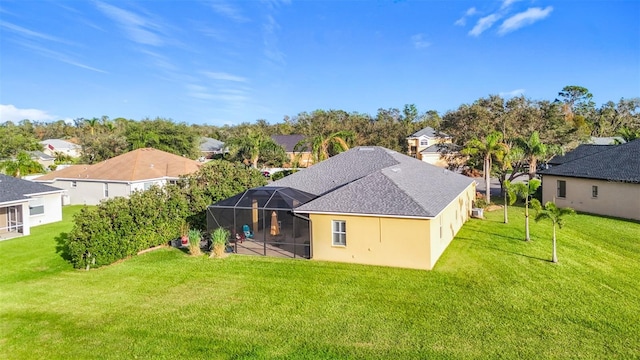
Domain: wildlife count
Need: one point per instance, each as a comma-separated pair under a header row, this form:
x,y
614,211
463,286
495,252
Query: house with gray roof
x,y
24,204
372,205
599,179
298,152
209,147
425,145
53,146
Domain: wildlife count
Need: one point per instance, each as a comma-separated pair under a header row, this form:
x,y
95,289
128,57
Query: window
x,y
440,226
74,184
36,206
148,185
594,191
562,189
106,190
424,142
339,230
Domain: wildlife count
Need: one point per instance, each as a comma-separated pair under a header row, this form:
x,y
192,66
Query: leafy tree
x,y
325,146
256,146
165,135
21,165
16,139
554,214
102,147
628,135
523,191
489,148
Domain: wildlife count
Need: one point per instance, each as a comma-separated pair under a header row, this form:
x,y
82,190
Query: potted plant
x,y
184,234
219,239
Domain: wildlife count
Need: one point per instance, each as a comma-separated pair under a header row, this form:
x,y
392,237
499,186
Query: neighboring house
x,y
605,182
43,159
611,140
210,147
303,155
120,176
421,145
577,153
367,205
24,204
441,154
53,146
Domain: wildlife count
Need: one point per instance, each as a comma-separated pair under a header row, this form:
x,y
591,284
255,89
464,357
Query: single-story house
x,y
210,147
120,176
579,152
606,182
53,146
24,204
421,145
368,205
301,155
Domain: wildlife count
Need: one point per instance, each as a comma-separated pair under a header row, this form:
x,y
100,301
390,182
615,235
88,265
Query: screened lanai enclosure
x,y
261,222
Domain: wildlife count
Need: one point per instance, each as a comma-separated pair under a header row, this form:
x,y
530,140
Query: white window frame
x,y
74,184
106,189
339,233
36,205
424,142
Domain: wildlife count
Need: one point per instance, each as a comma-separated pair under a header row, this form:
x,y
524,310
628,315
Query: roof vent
x,y
151,165
395,170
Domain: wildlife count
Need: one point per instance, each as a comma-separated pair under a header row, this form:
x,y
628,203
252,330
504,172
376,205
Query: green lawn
x,y
491,295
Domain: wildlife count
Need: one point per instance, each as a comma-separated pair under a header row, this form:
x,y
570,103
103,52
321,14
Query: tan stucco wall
x,y
373,240
3,220
398,242
614,198
434,159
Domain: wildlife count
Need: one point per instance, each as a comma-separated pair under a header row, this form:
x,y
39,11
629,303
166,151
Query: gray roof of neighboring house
x,y
377,181
577,153
211,145
60,144
14,189
40,155
614,163
428,132
436,148
288,142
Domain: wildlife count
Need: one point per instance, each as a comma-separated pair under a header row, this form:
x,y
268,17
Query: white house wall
x,y
52,210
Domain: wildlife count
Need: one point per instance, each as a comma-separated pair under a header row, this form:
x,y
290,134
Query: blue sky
x,y
227,62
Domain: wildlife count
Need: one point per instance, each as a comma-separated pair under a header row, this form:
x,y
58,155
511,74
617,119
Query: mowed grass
x,y
490,296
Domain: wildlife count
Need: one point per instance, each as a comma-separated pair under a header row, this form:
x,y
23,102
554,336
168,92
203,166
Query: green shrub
x,y
194,242
219,239
280,174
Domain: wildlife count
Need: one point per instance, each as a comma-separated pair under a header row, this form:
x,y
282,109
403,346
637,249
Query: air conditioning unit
x,y
477,213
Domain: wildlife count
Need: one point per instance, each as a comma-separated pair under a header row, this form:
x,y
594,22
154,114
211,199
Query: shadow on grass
x,y
61,246
502,250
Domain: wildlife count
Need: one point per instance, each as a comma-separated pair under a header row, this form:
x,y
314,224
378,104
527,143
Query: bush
x,y
194,242
280,174
219,239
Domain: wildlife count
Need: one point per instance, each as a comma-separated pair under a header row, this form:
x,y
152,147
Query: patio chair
x,y
247,232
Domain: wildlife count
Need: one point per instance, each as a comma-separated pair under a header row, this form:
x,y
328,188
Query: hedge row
x,y
121,227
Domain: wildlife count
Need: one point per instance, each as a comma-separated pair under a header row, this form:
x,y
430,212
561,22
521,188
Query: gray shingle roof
x,y
429,132
579,152
211,145
615,163
14,189
377,181
288,142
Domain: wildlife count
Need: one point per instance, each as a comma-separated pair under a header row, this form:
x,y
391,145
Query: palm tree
x,y
627,135
92,124
524,192
324,146
23,164
253,146
556,215
490,148
534,149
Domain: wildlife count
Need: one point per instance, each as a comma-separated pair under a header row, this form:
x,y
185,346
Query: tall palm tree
x,y
23,164
92,124
556,215
253,146
490,148
534,149
324,146
523,191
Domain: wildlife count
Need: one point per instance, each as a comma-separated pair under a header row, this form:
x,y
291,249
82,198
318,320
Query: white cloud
x,y
512,93
525,18
484,24
137,28
463,20
419,41
270,40
14,114
224,76
506,3
228,10
30,33
67,59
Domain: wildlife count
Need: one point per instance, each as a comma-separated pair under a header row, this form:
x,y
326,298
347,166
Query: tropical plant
x,y
195,236
488,149
557,217
324,146
627,135
534,150
523,191
92,123
21,165
255,146
219,239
